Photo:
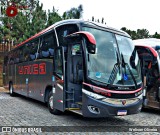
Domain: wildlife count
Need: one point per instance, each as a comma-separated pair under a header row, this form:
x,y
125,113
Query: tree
x,y
102,20
93,18
156,35
142,33
37,20
73,13
133,33
124,29
139,34
24,24
53,17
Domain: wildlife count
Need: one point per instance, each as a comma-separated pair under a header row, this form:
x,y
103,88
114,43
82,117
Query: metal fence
x,y
5,47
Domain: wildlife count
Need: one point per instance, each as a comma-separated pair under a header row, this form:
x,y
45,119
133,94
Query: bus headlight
x,y
138,93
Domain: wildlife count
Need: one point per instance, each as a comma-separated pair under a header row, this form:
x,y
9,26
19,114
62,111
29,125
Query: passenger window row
x,y
42,47
38,49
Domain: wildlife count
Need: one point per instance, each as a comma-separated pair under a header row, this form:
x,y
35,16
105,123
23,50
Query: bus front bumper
x,y
97,108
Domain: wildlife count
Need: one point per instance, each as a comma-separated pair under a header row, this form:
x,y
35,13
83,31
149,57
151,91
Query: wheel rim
x,y
11,89
51,102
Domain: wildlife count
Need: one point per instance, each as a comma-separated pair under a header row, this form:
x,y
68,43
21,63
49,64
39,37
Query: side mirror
x,y
89,38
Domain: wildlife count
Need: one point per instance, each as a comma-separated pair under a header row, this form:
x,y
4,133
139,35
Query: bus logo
x,y
123,102
33,69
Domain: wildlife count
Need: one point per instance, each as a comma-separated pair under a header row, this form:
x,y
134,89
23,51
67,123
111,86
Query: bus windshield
x,y
115,62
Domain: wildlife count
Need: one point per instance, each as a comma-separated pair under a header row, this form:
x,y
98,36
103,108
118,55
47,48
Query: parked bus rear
x,y
149,52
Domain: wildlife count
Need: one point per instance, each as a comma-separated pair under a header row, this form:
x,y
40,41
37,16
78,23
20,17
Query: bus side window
x,y
58,63
5,60
48,45
8,62
11,58
16,56
65,30
26,52
20,55
33,47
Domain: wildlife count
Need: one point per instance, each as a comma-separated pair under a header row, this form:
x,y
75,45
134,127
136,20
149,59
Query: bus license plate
x,y
122,112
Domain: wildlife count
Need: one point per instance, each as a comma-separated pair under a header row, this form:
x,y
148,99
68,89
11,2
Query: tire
x,y
11,90
51,108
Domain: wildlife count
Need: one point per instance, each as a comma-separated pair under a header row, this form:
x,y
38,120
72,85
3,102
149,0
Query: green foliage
x,y
14,28
37,20
142,33
138,34
53,17
25,25
73,13
156,35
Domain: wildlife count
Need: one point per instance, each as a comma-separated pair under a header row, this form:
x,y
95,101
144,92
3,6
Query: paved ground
x,y
20,111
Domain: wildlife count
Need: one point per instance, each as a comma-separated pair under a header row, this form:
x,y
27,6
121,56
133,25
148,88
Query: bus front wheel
x,y
50,105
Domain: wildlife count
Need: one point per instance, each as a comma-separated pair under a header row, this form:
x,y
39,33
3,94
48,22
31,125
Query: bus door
x,y
59,79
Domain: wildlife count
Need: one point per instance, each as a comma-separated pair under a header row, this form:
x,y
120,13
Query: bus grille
x,y
122,102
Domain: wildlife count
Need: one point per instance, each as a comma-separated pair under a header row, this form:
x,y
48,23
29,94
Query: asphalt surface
x,y
24,112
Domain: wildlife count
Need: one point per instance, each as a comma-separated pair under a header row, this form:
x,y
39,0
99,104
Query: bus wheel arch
x,y
51,106
47,91
49,100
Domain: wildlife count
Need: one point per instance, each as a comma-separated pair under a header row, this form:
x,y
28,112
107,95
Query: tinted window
x,y
21,54
76,49
10,58
26,52
16,56
5,60
65,30
58,63
47,46
33,47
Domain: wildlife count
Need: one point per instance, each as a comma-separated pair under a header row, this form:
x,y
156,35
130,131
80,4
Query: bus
x,y
78,66
149,52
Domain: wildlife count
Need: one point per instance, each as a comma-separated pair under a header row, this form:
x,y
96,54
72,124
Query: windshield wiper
x,y
117,67
124,65
115,70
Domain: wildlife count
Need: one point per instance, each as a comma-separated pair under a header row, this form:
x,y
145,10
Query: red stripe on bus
x,y
113,91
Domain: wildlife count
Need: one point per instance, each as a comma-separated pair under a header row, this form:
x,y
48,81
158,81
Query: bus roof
x,y
149,43
72,21
152,42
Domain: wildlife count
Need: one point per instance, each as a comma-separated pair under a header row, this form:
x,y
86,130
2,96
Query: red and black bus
x,y
79,66
149,55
